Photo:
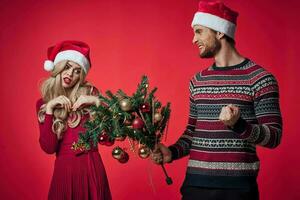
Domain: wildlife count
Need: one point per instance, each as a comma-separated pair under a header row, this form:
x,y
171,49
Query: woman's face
x,y
71,74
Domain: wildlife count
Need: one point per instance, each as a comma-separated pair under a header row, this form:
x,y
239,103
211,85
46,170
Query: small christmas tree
x,y
141,118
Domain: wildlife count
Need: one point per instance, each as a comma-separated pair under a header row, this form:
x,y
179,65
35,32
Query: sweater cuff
x,y
240,126
174,151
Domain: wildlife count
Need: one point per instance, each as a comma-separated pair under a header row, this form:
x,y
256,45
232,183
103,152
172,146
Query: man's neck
x,y
228,56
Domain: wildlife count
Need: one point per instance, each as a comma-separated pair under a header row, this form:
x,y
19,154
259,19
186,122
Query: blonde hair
x,y
52,88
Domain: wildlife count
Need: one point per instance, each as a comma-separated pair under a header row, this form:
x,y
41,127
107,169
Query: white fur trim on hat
x,y
214,22
74,56
48,65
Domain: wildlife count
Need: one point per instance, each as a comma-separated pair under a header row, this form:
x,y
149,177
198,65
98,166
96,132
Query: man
x,y
234,106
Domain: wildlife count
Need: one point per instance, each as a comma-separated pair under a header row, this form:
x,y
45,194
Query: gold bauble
x,y
157,117
125,105
144,152
117,152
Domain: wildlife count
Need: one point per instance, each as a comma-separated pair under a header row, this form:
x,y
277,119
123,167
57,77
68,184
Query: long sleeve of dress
x,y
48,140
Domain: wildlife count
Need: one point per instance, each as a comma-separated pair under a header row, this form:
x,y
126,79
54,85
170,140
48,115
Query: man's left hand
x,y
229,115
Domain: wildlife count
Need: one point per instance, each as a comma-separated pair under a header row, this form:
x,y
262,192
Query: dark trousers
x,y
201,193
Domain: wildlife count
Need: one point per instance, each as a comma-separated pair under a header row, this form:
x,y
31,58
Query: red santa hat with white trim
x,y
75,51
217,16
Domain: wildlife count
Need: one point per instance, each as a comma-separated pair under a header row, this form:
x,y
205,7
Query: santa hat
x,y
75,51
217,16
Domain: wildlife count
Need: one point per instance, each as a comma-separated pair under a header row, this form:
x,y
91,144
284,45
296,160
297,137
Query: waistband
x,y
69,152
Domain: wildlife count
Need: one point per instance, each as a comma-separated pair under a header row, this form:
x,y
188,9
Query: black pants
x,y
200,193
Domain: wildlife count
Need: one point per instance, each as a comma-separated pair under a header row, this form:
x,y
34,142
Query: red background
x,y
129,39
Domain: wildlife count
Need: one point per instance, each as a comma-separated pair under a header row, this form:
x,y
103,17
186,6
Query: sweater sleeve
x,y
267,132
48,140
182,147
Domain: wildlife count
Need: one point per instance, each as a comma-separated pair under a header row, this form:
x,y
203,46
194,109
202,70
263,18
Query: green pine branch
x,y
110,118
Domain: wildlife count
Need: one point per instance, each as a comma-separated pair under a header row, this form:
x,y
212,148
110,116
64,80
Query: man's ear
x,y
220,35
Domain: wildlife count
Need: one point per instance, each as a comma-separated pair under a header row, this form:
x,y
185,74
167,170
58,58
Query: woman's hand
x,y
85,100
61,101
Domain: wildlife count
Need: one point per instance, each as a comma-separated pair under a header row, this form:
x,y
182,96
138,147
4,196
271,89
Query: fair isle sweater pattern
x,y
221,156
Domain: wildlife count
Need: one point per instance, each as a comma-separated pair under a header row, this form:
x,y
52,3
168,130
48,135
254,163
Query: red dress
x,y
76,176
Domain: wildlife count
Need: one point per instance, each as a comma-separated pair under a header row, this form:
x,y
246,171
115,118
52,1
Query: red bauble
x,y
138,123
145,107
124,158
103,138
109,142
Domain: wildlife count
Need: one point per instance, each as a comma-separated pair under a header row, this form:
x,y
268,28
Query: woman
x,y
62,111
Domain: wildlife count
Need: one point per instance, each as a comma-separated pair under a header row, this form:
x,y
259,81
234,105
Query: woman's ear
x,y
220,35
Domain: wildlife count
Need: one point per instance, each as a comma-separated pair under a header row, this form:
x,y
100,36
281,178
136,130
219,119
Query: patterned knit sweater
x,y
223,157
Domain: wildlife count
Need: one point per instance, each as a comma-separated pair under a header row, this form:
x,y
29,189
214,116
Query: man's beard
x,y
211,51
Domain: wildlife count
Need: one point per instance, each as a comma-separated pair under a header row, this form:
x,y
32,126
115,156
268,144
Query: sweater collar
x,y
214,67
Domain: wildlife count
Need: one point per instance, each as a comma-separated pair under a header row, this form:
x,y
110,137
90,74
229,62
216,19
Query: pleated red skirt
x,y
80,177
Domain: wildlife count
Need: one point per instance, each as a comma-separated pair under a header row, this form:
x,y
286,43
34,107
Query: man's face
x,y
206,41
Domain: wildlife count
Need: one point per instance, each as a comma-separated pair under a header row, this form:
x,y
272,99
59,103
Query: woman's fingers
x,y
63,102
68,103
85,100
78,103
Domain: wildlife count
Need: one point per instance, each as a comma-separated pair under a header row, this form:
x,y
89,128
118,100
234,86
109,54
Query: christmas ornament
x,y
145,107
138,123
109,142
144,152
103,138
124,157
157,117
125,105
117,152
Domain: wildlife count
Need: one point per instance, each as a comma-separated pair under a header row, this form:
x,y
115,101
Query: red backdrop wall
x,y
129,39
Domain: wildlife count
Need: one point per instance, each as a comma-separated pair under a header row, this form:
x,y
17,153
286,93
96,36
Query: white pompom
x,y
48,65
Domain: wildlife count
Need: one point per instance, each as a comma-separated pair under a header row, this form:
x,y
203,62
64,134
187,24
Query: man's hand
x,y
229,115
161,154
